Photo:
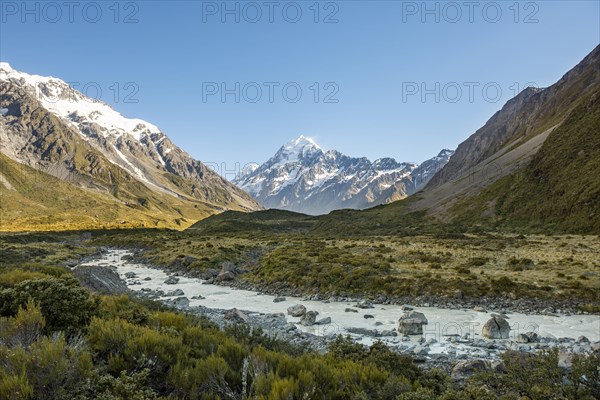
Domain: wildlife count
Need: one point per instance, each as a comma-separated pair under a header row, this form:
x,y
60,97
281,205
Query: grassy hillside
x,y
559,190
33,200
236,222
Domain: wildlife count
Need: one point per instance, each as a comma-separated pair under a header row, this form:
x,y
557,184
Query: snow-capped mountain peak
x,y
4,66
304,177
77,109
298,149
96,121
134,145
446,153
302,142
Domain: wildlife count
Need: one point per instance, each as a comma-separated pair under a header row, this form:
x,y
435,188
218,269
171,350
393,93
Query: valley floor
x,y
532,273
450,335
551,281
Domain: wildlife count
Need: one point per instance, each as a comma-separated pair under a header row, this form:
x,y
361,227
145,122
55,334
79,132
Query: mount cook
x,y
305,178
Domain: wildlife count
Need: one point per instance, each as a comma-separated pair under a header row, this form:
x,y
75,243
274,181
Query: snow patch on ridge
x,y
87,115
303,177
75,108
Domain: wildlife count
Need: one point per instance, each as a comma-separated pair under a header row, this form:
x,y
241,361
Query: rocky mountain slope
x,y
532,112
535,162
303,177
533,166
559,189
50,127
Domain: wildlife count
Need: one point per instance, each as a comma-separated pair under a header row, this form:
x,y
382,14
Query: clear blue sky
x,y
372,54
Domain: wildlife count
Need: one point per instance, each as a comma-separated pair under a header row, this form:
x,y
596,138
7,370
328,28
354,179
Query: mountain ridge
x,y
304,177
538,175
522,117
43,128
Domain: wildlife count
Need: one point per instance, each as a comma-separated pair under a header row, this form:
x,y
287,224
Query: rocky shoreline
x,y
461,354
500,305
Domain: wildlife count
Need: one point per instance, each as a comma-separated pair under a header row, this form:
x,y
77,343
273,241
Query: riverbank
x,y
451,336
499,304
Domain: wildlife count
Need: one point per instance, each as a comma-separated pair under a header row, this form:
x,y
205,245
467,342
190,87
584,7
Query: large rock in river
x,y
296,311
309,318
411,323
365,304
176,292
496,328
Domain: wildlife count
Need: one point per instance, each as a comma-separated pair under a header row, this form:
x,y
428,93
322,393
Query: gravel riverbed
x,y
451,335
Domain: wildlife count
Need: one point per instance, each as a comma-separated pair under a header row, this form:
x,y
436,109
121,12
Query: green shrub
x,y
123,307
538,377
520,264
25,328
134,386
37,366
201,377
503,285
477,261
65,306
13,277
15,387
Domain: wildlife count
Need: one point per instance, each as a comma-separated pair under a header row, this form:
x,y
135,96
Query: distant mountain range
x,y
125,165
68,162
533,167
303,177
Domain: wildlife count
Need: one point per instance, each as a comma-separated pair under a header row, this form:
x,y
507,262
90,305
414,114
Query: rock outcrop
x,y
296,311
309,318
411,323
236,316
100,279
496,328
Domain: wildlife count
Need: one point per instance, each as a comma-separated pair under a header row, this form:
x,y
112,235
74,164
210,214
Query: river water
x,y
442,322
